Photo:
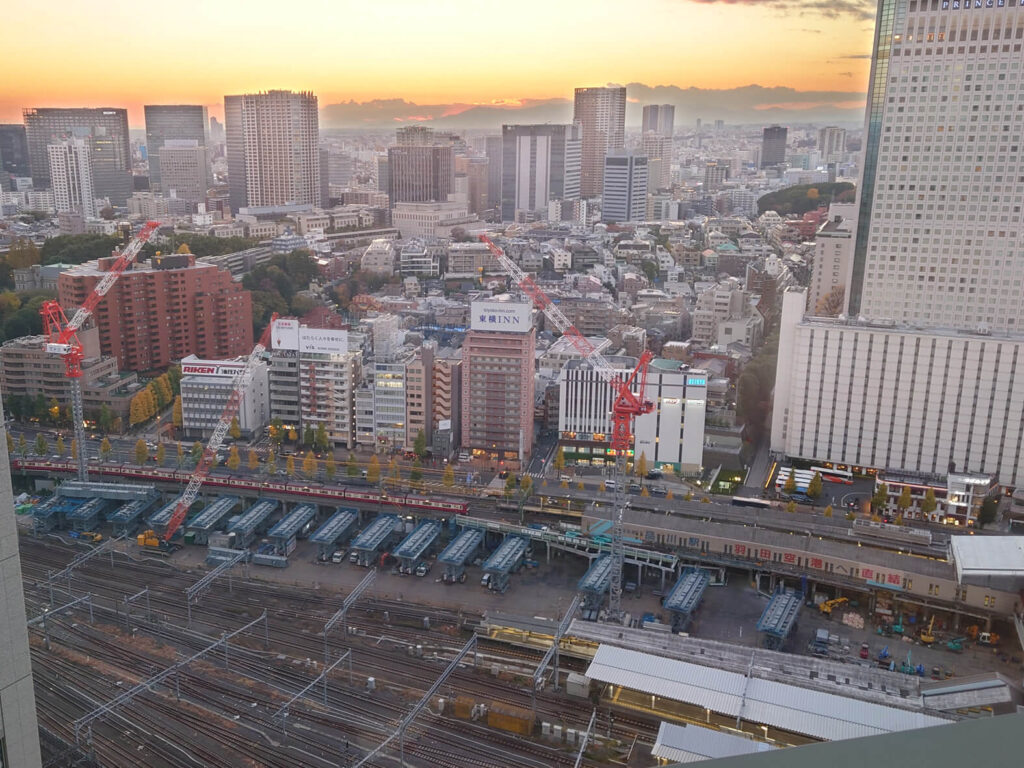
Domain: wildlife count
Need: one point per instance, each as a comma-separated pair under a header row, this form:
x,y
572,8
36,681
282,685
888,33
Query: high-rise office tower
x,y
13,154
493,150
184,170
715,175
625,187
420,173
273,144
831,144
477,171
773,145
940,216
658,147
602,114
174,122
19,730
71,177
659,118
109,146
540,163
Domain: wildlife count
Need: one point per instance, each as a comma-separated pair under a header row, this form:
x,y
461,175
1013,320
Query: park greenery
x,y
801,198
276,287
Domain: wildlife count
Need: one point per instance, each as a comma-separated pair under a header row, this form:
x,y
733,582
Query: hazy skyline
x,y
463,52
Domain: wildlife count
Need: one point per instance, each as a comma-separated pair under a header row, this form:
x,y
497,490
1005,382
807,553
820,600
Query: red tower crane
x,y
62,334
239,384
627,404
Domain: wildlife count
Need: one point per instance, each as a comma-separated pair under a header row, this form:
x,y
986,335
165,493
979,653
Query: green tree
x,y
141,452
234,430
308,436
174,379
105,449
197,451
510,485
448,478
253,461
157,395
106,419
289,466
271,461
42,447
903,502
814,488
23,253
309,464
789,487
928,503
60,447
330,467
419,447
416,473
641,464
881,498
373,470
234,460
351,467
22,446
988,511
320,439
161,454
791,507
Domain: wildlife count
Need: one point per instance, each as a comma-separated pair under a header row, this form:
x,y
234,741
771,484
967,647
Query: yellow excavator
x,y
926,635
828,605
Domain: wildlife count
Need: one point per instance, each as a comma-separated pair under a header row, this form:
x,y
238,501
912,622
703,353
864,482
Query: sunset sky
x,y
470,51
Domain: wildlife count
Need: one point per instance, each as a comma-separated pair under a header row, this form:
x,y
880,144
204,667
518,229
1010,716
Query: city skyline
x,y
686,48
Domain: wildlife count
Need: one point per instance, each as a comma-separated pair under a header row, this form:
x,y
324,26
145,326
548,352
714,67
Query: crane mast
x,y
62,334
626,406
239,384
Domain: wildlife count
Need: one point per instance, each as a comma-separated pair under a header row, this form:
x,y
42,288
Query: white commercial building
x,y
625,187
71,177
205,387
896,398
436,219
671,436
379,258
833,252
313,377
417,259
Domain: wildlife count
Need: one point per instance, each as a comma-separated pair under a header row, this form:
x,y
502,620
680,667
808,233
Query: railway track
x,y
296,619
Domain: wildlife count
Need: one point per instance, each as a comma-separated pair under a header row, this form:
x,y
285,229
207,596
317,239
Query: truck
x,y
819,646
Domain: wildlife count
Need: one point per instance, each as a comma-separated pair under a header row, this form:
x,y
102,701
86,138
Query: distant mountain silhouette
x,y
748,104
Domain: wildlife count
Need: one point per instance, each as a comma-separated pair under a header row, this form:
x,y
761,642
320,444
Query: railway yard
x,y
229,699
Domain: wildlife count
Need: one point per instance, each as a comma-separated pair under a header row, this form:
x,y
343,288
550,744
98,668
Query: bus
x,y
834,475
747,501
801,477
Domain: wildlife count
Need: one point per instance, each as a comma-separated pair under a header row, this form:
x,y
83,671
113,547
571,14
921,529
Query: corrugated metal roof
x,y
988,555
692,743
798,710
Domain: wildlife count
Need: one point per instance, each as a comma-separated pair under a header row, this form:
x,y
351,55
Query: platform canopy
x,y
989,561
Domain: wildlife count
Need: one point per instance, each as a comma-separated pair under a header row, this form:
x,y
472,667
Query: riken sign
x,y
209,368
500,316
288,334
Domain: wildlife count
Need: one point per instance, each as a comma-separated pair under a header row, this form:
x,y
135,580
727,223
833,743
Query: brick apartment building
x,y
163,311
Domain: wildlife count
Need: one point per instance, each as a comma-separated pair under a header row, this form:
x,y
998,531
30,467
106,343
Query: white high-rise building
x,y
625,187
658,149
273,146
659,118
540,163
940,228
602,113
833,251
71,177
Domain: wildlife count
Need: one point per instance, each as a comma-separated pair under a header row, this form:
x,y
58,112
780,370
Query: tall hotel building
x,y
272,147
497,381
921,373
602,113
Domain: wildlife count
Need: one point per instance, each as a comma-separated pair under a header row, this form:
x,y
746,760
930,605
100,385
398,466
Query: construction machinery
x,y
827,607
897,628
990,639
956,645
150,540
926,636
241,381
62,334
627,404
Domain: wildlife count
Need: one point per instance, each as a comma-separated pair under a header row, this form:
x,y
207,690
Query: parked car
x,y
338,557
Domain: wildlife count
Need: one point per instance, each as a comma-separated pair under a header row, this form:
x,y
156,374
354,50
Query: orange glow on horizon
x,y
461,53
